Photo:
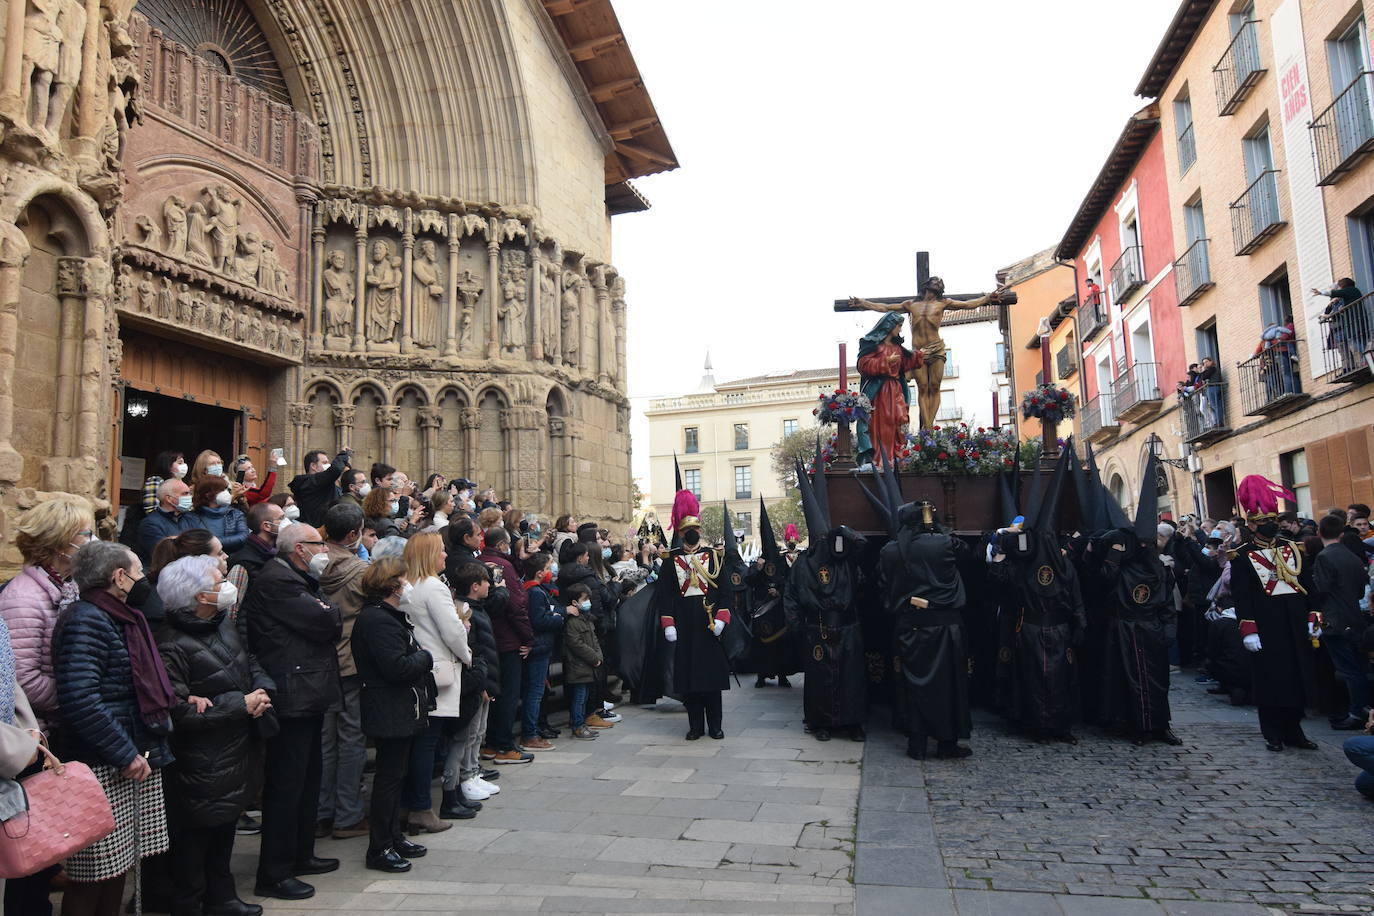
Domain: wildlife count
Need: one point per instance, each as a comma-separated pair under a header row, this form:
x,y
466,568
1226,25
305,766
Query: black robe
x,y
1284,668
699,662
819,606
773,652
1043,621
932,694
1135,666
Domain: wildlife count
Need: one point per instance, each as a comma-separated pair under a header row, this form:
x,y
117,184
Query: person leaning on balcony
x,y
1094,293
1209,383
1344,335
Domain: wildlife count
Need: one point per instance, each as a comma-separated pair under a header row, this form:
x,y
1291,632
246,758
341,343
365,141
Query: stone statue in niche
x,y
147,296
124,286
249,259
255,333
271,275
223,210
242,323
271,330
338,296
212,310
570,309
513,307
426,295
226,321
123,87
548,311
198,236
383,293
53,31
469,291
149,234
164,300
174,219
182,303
197,309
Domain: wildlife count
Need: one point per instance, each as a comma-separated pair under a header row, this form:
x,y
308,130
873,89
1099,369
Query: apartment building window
x,y
951,367
1183,125
741,436
949,407
1276,301
744,522
788,427
1293,469
691,440
1000,363
691,479
1361,228
1207,344
744,482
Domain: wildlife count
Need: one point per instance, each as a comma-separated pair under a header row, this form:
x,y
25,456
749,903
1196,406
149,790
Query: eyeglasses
x,y
313,543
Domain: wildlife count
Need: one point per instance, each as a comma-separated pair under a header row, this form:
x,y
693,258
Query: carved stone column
x,y
455,245
360,283
14,252
431,419
619,316
316,272
388,419
558,467
471,419
494,291
91,91
71,298
301,417
91,399
604,338
343,426
407,281
535,283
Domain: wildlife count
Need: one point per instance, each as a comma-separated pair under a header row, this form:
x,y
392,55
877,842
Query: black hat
x,y
768,540
817,519
1045,516
1147,509
731,545
586,528
1083,491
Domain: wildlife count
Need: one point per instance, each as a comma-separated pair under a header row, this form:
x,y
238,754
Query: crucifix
x,y
925,312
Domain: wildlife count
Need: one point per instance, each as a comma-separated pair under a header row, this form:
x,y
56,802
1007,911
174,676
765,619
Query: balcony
x,y
949,414
1187,149
1343,133
1270,382
1092,317
1127,273
1137,392
951,370
1192,273
1348,341
1064,363
1255,214
998,366
1099,419
1238,70
1204,414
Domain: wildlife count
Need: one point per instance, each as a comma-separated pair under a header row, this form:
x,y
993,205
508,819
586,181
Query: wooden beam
x,y
643,154
630,128
565,7
593,47
607,91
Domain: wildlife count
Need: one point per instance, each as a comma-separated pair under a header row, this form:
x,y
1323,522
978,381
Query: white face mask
x,y
324,467
395,507
363,490
215,470
284,524
179,470
319,562
222,498
292,512
228,594
184,503
406,589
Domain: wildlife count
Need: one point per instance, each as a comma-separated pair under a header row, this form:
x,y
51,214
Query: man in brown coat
x,y
343,751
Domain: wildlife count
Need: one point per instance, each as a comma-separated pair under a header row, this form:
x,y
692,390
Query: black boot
x,y
783,681
856,733
453,809
916,747
760,681
952,750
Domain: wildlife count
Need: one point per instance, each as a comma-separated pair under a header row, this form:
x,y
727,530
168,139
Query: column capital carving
x,y
471,418
388,417
301,414
344,415
431,418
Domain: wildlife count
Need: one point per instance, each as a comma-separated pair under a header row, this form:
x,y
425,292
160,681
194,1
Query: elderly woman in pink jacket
x,y
48,535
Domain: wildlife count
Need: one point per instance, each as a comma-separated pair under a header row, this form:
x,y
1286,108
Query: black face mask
x,y
691,537
139,593
1267,530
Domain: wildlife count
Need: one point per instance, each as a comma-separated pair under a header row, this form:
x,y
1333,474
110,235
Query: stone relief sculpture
x,y
339,293
469,291
249,258
164,300
147,296
618,315
426,296
53,31
223,210
570,309
271,275
198,236
174,219
513,302
383,293
548,313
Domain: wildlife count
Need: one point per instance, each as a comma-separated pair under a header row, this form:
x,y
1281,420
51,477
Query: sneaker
x,y
611,717
606,706
248,826
595,721
342,832
535,744
489,775
546,731
504,758
490,788
584,734
473,789
487,753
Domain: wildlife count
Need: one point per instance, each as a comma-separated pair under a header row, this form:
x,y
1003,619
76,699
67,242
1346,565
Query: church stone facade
x,y
244,224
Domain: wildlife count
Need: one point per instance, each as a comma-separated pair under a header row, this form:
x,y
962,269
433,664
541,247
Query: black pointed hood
x,y
1046,514
880,506
731,545
1081,492
1107,512
768,541
817,521
1008,508
819,484
1147,508
1030,506
677,474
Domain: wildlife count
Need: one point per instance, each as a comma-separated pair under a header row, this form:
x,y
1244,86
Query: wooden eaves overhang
x,y
1123,157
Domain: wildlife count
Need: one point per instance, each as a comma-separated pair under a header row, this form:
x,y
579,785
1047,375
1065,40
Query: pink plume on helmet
x,y
684,504
790,533
1260,496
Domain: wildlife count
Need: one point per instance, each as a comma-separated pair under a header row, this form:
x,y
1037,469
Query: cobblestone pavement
x,y
639,821
1218,826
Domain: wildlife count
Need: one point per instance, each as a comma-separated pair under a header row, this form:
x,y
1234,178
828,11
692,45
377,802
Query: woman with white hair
x,y
115,711
222,697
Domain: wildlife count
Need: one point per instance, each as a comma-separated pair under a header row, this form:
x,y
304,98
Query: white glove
x,y
718,627
670,634
1252,642
1313,631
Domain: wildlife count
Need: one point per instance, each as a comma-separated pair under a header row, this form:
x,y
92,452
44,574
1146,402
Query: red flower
x,y
1006,461
916,447
815,411
960,453
935,429
942,456
974,456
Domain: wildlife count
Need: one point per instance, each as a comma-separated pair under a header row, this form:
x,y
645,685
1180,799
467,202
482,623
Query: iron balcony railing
x,y
1136,388
1255,215
1348,339
1128,274
1238,70
1192,272
1344,132
1204,412
1099,417
1064,364
1187,149
1092,317
945,414
1270,380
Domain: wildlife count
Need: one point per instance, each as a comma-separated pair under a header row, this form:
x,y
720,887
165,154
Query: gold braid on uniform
x,y
1281,568
699,567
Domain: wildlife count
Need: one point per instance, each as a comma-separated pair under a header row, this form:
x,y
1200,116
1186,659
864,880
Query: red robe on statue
x,y
890,409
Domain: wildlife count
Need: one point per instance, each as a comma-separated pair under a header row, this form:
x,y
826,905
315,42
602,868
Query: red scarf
x,y
152,689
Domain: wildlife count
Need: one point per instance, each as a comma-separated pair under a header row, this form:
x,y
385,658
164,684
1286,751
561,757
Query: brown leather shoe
x,y
362,828
535,744
504,758
425,821
595,721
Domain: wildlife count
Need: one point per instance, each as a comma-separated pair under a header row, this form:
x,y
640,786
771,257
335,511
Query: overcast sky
x,y
822,144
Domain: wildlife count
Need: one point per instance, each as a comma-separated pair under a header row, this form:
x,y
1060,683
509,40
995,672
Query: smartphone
x,y
278,457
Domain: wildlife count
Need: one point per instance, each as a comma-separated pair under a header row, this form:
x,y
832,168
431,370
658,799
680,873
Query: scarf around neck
x,y
152,689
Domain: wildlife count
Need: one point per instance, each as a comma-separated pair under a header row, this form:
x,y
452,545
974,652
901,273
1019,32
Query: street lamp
x,y
996,403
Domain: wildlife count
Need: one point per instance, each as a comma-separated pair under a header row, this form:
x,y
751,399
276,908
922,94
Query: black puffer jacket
x,y
214,749
482,641
293,633
398,687
99,717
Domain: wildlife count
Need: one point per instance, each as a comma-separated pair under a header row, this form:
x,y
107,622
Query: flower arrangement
x,y
843,405
1047,402
957,450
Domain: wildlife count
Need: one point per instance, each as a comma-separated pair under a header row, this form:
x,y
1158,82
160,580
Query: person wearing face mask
x,y
294,634
344,750
166,466
115,706
398,692
581,658
222,696
254,492
514,637
291,513
355,487
314,490
213,512
546,621
263,521
172,516
380,508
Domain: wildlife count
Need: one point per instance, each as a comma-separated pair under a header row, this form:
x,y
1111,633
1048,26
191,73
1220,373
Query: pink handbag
x,y
67,812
